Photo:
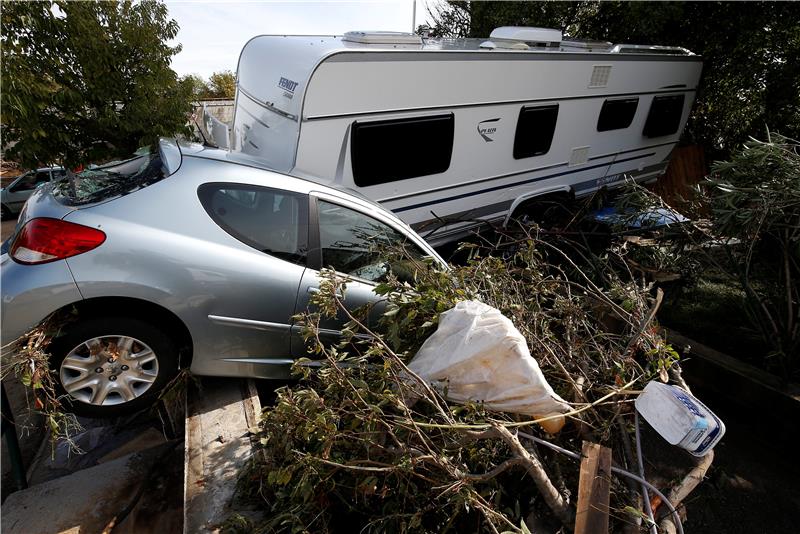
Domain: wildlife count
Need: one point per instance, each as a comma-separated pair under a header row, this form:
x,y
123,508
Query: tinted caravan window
x,y
397,149
617,114
535,128
665,115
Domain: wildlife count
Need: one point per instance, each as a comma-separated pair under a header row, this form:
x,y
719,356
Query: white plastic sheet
x,y
481,356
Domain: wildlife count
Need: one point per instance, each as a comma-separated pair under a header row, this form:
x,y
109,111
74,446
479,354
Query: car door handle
x,y
315,290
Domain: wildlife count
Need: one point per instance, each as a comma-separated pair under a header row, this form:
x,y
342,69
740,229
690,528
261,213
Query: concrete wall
x,y
221,109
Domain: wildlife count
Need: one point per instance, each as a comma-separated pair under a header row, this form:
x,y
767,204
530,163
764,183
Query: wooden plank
x,y
217,448
734,365
593,490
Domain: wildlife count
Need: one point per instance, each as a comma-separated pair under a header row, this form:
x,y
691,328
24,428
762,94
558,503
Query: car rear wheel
x,y
109,367
5,213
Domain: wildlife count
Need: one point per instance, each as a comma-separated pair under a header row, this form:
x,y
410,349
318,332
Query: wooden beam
x,y
593,490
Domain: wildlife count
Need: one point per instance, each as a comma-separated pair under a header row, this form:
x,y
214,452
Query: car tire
x,y
5,213
112,366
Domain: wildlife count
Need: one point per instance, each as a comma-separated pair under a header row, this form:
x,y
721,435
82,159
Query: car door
x,y
250,315
342,237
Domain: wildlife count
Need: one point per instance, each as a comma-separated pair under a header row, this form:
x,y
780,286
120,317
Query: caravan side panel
x,y
486,94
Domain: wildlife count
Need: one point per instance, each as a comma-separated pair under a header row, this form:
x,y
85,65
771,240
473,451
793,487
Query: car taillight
x,y
42,240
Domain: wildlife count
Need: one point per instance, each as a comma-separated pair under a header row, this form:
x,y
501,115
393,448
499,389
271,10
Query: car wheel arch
x,y
138,309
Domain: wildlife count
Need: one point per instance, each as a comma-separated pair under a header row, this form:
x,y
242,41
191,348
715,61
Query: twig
x,y
646,321
353,467
432,396
552,497
620,391
677,494
511,462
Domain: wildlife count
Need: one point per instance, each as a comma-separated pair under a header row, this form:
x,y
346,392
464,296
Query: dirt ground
x,y
752,486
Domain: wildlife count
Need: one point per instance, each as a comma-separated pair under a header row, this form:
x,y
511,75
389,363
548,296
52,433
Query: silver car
x,y
13,197
187,257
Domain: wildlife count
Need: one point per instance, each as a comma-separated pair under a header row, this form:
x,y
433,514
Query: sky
x,y
213,32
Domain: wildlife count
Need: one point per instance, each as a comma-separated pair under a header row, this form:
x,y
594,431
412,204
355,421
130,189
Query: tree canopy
x,y
751,76
84,81
221,84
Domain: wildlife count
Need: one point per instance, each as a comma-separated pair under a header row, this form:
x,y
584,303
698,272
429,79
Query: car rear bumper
x,y
32,292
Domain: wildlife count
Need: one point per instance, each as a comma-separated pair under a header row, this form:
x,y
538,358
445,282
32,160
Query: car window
x,y
30,181
98,183
272,221
350,241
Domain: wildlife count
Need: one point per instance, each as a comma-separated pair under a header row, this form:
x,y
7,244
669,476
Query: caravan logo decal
x,y
288,87
487,129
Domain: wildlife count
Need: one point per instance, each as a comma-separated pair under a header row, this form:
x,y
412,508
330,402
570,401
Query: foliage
x,y
750,75
755,205
749,241
87,81
478,19
196,84
363,444
221,84
28,360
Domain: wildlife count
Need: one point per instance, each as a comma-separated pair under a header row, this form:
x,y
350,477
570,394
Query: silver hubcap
x,y
109,370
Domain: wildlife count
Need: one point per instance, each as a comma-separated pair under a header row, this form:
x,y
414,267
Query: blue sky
x,y
213,32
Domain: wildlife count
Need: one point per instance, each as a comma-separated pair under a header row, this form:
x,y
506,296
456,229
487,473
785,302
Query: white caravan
x,y
452,133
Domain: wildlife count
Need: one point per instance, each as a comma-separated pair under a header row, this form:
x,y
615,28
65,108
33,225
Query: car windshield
x,y
109,180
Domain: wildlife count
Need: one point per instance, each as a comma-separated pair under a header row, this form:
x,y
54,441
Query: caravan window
x,y
665,116
617,114
535,129
397,149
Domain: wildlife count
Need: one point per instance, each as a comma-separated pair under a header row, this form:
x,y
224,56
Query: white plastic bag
x,y
481,356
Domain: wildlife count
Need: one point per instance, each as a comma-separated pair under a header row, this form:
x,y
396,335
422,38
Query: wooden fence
x,y
686,169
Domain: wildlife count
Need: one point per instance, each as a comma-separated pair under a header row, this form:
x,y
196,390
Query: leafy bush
x,y
748,236
361,444
755,210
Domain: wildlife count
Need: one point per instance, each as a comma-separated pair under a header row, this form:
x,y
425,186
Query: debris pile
x,y
374,439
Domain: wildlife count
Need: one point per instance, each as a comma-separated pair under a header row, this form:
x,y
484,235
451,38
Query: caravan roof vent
x,y
522,37
650,49
587,44
367,37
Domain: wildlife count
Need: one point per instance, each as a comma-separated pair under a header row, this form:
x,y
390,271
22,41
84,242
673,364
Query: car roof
x,y
218,154
239,158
